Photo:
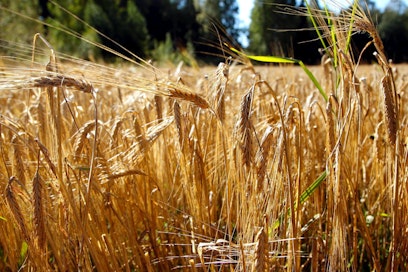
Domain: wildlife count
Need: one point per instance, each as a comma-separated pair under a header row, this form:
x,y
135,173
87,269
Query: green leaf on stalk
x,y
304,196
274,59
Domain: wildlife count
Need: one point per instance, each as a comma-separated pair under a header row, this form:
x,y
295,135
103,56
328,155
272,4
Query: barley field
x,y
231,168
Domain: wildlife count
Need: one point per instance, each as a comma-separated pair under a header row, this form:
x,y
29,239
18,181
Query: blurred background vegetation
x,y
169,31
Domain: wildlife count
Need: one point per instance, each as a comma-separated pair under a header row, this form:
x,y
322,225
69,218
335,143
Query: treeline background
x,y
188,30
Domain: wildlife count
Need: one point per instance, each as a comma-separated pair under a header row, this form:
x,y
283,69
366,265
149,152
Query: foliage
x,y
164,53
283,60
215,17
141,25
266,23
13,27
122,23
393,28
62,21
222,13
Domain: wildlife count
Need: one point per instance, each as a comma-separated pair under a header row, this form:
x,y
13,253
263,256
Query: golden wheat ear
x,y
16,210
39,216
245,127
60,80
186,95
390,111
261,241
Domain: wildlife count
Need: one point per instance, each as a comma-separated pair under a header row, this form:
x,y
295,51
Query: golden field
x,y
228,168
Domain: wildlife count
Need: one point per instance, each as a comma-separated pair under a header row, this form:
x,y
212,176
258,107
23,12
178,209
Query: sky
x,y
245,7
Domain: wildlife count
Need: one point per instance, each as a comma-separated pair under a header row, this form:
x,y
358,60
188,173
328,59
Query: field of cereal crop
x,y
228,168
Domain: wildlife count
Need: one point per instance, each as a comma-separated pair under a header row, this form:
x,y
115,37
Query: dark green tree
x,y
15,28
60,20
268,29
130,29
184,28
121,21
229,12
218,24
172,26
159,16
393,29
305,40
398,6
220,13
258,30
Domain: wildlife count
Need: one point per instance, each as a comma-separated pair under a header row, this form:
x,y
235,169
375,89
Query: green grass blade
x,y
315,25
333,33
23,253
304,196
334,42
274,59
350,30
314,80
309,190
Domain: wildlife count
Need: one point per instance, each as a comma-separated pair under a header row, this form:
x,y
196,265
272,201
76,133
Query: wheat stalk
x,y
158,102
140,135
363,24
188,96
42,120
103,167
330,128
61,81
261,241
15,209
177,121
221,82
39,220
126,173
390,111
18,155
245,127
47,156
136,154
81,137
262,156
115,131
111,250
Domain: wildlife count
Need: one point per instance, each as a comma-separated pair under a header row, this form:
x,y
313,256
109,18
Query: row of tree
x,y
269,21
174,30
